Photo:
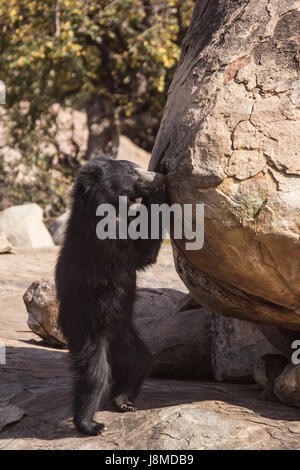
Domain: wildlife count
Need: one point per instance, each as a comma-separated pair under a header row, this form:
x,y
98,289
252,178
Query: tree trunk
x,y
103,125
230,138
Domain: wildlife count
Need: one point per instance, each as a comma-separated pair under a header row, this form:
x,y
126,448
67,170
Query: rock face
x,y
58,228
5,246
40,301
287,386
179,340
129,151
23,226
237,345
230,138
266,370
10,414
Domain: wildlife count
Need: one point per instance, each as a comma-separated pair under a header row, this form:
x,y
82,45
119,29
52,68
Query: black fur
x,y
96,282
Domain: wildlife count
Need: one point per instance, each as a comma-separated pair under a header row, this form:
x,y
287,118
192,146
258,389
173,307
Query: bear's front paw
x,y
127,407
123,404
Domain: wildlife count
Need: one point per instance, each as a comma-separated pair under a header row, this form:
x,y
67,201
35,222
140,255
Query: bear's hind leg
x,y
130,365
92,376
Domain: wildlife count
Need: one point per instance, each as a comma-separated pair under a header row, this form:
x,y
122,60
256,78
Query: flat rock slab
x,y
35,388
172,414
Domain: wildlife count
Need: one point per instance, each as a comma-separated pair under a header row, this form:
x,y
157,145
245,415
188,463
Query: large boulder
x,y
179,339
23,226
230,139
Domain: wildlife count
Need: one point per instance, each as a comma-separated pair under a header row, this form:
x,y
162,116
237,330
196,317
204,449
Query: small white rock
x,y
23,226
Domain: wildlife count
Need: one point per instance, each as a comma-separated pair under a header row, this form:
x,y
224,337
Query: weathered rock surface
x,y
58,228
287,386
180,341
171,414
5,246
10,414
129,151
230,139
266,370
237,345
40,301
23,226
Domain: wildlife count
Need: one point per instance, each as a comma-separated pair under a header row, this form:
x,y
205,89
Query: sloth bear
x,y
96,283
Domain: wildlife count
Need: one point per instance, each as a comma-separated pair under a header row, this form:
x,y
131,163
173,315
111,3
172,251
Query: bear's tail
x,y
92,380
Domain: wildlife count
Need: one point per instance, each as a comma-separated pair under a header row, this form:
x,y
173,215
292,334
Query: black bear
x,y
96,282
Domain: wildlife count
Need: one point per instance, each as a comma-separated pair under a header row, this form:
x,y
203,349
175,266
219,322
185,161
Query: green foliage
x,y
65,51
123,49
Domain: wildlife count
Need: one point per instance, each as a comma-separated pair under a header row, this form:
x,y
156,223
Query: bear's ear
x,y
83,186
89,179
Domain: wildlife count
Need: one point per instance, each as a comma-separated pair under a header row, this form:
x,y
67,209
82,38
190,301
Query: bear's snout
x,y
151,177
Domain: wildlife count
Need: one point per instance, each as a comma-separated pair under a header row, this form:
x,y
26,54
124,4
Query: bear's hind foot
x,y
123,404
92,428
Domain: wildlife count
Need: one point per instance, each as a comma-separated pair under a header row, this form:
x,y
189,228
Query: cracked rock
x,y
230,139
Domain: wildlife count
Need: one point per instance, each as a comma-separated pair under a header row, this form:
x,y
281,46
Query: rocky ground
x,y
35,390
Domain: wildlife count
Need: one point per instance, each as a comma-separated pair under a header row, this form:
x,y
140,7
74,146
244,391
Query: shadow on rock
x,y
38,382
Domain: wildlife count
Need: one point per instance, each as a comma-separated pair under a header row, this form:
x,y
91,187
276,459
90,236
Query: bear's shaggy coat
x,y
96,283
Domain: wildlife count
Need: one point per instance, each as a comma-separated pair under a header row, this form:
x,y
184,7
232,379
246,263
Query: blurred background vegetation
x,y
94,69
